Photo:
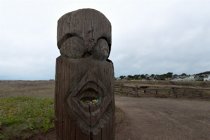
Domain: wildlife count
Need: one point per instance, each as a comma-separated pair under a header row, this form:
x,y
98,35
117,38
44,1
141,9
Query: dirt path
x,y
163,119
159,119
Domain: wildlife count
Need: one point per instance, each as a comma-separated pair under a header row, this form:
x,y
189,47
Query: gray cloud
x,y
149,36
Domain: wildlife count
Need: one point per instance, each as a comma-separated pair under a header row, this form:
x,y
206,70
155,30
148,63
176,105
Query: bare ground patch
x,y
165,119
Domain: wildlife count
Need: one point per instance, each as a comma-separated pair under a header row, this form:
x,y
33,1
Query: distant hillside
x,y
202,73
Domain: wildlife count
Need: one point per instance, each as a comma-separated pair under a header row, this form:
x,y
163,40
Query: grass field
x,y
26,108
21,117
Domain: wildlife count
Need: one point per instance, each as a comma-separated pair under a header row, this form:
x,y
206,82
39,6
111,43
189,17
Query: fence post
x,y
84,99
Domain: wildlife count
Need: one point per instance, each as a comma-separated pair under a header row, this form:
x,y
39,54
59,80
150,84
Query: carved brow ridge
x,y
60,42
76,35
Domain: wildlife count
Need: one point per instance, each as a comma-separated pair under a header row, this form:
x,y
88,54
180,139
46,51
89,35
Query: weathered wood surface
x,y
84,99
81,30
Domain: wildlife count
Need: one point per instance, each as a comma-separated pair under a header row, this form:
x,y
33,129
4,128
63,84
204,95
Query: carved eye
x,y
101,50
73,47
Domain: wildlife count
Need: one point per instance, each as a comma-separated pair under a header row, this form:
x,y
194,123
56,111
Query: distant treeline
x,y
166,76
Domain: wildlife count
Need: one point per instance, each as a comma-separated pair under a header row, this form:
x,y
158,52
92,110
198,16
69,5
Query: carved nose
x,y
91,43
89,47
88,52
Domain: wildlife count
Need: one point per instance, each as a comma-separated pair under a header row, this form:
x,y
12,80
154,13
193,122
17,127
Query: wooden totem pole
x,y
84,99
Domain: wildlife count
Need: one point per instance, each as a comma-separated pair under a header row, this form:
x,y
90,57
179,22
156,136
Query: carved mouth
x,y
90,96
89,101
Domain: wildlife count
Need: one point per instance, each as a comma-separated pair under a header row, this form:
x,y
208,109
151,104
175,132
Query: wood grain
x,y
84,97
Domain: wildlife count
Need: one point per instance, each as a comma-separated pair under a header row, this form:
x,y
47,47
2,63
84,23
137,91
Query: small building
x,y
207,78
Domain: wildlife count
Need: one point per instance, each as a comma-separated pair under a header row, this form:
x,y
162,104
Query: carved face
x,y
89,99
87,46
84,32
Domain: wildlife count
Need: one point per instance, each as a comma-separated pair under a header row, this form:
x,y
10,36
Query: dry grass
x,y
27,88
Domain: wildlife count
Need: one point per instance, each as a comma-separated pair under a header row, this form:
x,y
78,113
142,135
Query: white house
x,y
207,78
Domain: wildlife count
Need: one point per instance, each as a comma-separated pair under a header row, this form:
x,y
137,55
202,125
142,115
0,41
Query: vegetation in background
x,y
21,117
204,76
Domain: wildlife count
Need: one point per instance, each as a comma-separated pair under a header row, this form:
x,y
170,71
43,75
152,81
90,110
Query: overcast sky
x,y
149,36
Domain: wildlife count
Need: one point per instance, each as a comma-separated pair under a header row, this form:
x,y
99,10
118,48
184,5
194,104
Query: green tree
x,y
122,77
